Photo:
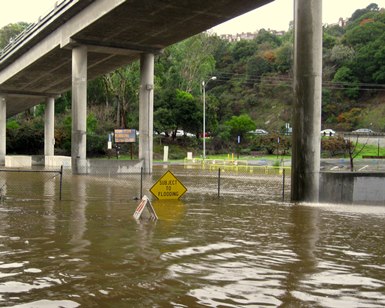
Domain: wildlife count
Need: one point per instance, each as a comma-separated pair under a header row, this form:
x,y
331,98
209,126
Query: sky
x,y
276,15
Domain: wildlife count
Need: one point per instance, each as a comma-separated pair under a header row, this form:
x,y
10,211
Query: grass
x,y
177,154
370,150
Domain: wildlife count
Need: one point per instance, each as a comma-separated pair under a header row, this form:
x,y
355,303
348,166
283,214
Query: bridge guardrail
x,y
32,28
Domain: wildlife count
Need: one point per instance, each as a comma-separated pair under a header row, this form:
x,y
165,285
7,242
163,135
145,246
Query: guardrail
x,y
374,134
33,28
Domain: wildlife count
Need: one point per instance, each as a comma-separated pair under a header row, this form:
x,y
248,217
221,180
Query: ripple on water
x,y
48,303
237,295
197,250
32,270
13,265
22,287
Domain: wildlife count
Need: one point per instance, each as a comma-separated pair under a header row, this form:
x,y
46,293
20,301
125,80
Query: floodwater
x,y
88,251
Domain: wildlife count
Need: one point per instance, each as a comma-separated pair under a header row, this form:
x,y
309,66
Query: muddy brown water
x,y
235,251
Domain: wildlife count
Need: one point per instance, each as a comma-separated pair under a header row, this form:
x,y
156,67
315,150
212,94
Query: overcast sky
x,y
275,15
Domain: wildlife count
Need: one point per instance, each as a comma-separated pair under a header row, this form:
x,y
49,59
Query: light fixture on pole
x,y
204,114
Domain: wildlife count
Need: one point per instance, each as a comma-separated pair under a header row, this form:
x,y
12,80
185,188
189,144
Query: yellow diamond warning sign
x,y
168,187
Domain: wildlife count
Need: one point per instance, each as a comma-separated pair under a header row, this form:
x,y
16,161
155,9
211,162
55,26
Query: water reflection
x,y
304,235
78,219
49,206
234,251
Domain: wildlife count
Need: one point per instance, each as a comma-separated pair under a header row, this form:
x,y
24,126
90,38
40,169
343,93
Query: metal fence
x,y
31,184
216,180
220,179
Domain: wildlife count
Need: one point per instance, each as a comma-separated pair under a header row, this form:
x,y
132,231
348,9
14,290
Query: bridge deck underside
x,y
114,39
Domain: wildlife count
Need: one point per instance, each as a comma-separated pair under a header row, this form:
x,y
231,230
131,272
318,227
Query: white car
x,y
180,133
328,132
363,131
259,131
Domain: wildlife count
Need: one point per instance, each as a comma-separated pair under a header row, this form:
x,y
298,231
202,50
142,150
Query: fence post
x,y
219,182
283,184
141,182
61,182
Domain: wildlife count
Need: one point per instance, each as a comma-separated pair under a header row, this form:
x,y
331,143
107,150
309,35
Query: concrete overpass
x,y
82,39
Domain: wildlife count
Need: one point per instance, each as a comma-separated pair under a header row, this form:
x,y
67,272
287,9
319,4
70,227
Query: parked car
x,y
328,132
180,133
258,131
363,131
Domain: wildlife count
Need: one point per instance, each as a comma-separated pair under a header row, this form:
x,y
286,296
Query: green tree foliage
x,y
359,13
284,58
121,90
186,112
240,125
254,78
345,78
364,33
10,31
184,65
25,138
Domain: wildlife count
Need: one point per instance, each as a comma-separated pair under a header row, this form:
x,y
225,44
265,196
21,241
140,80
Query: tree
x,y
284,58
186,112
243,49
345,79
353,151
364,33
358,14
350,119
267,40
333,145
341,54
369,63
184,65
270,143
10,31
122,86
240,125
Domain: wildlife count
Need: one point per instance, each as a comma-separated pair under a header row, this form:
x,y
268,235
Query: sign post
x,y
168,187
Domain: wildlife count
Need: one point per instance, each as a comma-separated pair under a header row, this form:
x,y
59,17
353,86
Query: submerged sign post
x,y
168,187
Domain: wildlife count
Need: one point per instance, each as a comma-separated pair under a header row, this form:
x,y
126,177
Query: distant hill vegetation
x,y
254,78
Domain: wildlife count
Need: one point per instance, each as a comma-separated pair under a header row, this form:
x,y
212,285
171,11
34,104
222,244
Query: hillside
x,y
253,88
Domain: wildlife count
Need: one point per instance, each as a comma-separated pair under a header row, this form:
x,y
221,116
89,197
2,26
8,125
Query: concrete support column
x,y
307,100
146,111
79,109
3,129
49,127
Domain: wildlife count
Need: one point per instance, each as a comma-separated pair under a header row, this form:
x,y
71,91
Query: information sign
x,y
125,135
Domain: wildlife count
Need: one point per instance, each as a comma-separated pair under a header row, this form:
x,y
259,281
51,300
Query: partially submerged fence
x,y
18,183
262,183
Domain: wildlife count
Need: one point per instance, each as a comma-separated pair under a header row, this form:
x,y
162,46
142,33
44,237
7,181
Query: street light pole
x,y
204,114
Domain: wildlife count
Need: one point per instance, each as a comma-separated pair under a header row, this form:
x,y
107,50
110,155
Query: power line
x,y
286,81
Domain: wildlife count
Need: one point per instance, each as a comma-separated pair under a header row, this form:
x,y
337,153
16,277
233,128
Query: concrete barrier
x,y
18,161
352,188
103,166
57,161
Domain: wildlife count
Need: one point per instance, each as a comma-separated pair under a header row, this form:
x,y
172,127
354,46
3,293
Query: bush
x,y
333,145
26,139
96,145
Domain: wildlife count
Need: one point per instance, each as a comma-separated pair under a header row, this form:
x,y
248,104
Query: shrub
x,y
333,145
